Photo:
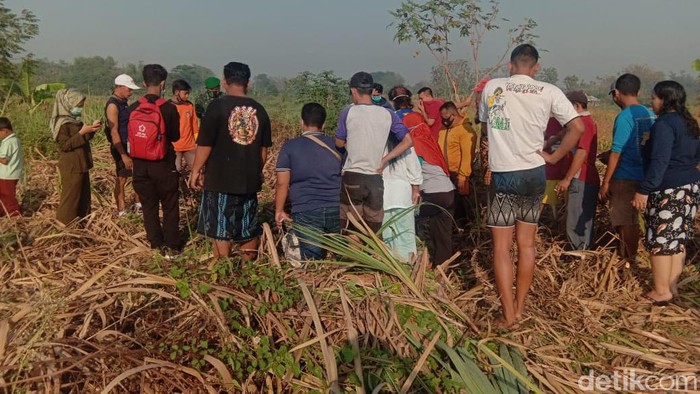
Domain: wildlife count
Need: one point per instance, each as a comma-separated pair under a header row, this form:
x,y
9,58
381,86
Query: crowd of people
x,y
399,165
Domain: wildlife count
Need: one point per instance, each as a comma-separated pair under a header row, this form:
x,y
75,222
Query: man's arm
x,y
113,122
200,159
406,143
575,129
613,162
421,110
576,164
263,157
281,193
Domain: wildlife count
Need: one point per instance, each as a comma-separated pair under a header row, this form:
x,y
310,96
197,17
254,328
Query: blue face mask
x,y
377,99
76,111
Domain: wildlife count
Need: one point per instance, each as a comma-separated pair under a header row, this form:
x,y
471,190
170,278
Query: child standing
x,y
10,169
189,127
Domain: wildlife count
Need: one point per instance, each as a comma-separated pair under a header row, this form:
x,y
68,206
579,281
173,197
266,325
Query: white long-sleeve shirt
x,y
399,176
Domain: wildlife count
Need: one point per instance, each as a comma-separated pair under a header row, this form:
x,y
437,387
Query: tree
x,y
460,70
435,23
264,86
690,83
194,74
388,79
646,74
549,75
15,30
696,67
324,88
92,75
572,82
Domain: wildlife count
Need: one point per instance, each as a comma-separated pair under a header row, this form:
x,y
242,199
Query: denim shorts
x,y
516,196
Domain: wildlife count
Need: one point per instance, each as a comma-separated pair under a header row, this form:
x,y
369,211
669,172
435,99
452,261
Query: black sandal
x,y
654,302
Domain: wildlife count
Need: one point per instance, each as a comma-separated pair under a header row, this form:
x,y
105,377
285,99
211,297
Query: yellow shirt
x,y
458,145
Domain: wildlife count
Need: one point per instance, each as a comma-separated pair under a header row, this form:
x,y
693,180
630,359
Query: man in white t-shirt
x,y
516,111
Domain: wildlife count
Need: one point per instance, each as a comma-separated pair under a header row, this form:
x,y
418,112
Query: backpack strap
x,y
321,143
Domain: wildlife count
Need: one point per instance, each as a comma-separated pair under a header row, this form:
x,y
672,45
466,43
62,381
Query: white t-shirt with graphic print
x,y
517,110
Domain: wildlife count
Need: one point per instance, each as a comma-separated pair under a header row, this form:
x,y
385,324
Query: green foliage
x,y
439,24
549,75
15,31
324,88
94,75
648,75
388,79
572,82
194,74
461,71
263,85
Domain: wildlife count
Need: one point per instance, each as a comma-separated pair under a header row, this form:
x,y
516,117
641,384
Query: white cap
x,y
125,80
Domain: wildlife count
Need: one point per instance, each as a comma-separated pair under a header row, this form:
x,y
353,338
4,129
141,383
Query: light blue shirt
x,y
11,149
630,134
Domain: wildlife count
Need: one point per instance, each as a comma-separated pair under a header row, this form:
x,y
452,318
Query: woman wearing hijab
x,y
75,158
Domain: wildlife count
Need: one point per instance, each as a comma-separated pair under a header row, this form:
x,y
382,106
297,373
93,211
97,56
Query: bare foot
x,y
674,290
518,312
502,324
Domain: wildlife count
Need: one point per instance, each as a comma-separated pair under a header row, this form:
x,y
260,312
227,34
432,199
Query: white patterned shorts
x,y
669,217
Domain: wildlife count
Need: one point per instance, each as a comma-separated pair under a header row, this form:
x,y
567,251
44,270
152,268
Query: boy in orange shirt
x,y
189,127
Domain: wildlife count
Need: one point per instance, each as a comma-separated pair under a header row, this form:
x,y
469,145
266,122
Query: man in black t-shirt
x,y
233,140
156,181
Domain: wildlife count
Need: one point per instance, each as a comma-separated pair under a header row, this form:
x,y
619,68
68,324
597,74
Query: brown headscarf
x,y
66,99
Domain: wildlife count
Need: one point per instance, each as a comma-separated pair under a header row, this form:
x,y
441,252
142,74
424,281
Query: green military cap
x,y
212,83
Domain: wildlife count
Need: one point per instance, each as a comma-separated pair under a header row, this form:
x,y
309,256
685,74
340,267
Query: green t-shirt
x,y
11,149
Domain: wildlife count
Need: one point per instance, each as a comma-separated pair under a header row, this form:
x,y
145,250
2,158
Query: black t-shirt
x,y
172,122
236,128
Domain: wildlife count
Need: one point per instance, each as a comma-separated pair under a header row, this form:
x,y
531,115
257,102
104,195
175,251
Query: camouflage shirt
x,y
202,101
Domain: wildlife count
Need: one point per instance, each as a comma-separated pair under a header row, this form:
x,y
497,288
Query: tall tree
x,y
438,24
388,79
264,86
649,76
15,31
572,82
324,88
194,74
549,75
461,71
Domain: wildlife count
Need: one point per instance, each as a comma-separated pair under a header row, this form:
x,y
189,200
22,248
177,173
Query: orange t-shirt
x,y
189,127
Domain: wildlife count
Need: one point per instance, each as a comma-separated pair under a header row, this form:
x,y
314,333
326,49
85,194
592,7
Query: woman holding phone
x,y
75,157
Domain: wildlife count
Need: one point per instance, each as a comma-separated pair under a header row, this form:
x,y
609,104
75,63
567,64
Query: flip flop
x,y
655,302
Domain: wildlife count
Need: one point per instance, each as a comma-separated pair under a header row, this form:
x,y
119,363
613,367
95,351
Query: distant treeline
x,y
95,75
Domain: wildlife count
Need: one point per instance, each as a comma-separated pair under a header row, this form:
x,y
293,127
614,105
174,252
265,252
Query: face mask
x,y
377,99
447,122
76,111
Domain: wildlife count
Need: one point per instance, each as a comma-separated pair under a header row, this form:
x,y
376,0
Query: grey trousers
x,y
580,214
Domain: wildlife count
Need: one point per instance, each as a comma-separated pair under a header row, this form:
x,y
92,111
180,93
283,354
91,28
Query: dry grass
x,y
84,309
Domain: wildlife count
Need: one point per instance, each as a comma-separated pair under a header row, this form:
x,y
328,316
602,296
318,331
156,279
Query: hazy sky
x,y
284,37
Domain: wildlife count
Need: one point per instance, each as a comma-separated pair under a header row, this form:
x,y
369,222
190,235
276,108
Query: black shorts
x,y
229,217
121,167
364,193
669,217
516,196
